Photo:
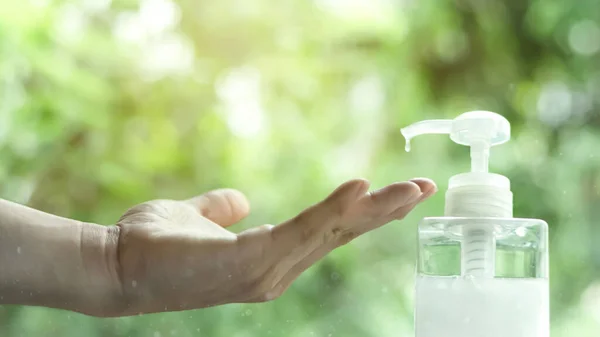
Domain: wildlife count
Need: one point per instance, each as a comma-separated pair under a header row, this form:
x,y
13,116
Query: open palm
x,y
178,255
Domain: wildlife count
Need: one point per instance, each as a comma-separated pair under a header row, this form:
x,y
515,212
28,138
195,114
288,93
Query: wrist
x,y
100,285
56,262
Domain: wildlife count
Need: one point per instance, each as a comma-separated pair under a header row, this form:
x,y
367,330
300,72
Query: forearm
x,y
51,261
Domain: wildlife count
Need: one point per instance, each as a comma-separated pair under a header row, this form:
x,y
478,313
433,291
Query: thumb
x,y
224,206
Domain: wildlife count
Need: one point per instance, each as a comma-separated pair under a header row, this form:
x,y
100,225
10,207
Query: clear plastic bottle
x,y
480,272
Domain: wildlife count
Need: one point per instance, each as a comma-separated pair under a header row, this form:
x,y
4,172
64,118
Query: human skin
x,y
167,255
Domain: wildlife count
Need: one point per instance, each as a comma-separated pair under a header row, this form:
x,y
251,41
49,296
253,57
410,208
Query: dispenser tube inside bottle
x,y
478,251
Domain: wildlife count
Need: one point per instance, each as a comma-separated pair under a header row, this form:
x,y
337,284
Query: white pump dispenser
x,y
477,193
481,272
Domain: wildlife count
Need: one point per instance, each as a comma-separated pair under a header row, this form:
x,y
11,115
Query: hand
x,y
178,255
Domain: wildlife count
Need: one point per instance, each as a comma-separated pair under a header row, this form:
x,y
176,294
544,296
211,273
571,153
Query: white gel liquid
x,y
482,307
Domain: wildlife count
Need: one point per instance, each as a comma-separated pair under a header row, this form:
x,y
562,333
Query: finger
x,y
224,206
291,241
334,218
302,241
394,198
310,221
347,193
428,188
320,252
389,198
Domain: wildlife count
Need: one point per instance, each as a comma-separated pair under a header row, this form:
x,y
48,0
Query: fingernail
x,y
426,185
420,181
428,194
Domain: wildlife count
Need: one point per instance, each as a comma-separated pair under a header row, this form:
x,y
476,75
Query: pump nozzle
x,y
477,193
434,126
478,129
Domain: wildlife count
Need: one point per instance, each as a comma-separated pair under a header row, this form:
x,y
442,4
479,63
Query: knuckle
x,y
303,217
400,216
155,208
401,213
272,295
345,237
336,208
259,286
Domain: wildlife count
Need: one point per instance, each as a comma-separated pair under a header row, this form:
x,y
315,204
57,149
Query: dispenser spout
x,y
479,130
434,126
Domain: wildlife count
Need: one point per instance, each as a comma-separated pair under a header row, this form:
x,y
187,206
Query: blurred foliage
x,y
105,104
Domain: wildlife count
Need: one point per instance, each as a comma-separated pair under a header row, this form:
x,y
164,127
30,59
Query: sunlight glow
x,y
239,90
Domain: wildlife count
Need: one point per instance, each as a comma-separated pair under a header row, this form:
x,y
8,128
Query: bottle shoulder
x,y
438,222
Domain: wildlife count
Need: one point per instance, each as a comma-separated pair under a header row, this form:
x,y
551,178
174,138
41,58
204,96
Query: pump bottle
x,y
480,272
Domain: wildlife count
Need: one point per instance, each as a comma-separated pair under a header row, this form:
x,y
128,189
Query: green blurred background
x,y
105,104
